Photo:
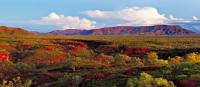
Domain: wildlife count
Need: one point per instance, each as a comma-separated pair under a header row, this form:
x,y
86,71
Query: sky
x,y
47,15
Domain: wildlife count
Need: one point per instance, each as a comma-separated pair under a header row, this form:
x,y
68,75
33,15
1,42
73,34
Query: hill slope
x,y
13,31
129,30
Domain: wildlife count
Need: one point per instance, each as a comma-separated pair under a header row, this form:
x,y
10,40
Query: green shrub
x,y
7,67
16,82
146,80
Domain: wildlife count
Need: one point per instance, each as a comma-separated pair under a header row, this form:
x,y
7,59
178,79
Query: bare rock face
x,y
129,30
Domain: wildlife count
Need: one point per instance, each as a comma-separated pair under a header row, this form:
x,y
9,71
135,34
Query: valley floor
x,y
99,61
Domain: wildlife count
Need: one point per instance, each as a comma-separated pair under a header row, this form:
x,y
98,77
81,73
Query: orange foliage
x,y
26,46
48,55
51,60
76,46
50,48
4,46
176,60
5,56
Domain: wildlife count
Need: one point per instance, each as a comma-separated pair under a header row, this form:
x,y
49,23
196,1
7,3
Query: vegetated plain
x,y
33,60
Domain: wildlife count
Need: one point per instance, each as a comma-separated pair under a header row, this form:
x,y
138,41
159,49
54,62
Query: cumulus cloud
x,y
132,16
67,22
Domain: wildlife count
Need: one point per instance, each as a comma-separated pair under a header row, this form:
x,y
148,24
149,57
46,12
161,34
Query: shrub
x,y
192,57
83,52
7,67
7,46
46,55
146,80
121,60
137,62
175,60
177,72
5,56
104,58
136,51
79,49
74,63
70,80
16,82
108,49
161,62
152,57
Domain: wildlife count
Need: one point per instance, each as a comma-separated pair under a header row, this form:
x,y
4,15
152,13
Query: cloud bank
x,y
131,16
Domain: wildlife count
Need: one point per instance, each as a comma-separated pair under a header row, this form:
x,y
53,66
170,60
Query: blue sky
x,y
26,10
33,9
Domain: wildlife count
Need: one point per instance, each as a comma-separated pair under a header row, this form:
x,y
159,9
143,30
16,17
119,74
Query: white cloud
x,y
195,18
67,22
132,16
172,18
53,16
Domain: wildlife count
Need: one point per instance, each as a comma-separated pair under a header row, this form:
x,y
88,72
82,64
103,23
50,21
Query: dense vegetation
x,y
99,61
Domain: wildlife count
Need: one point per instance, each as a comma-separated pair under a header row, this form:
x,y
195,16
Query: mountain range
x,y
129,30
170,30
194,26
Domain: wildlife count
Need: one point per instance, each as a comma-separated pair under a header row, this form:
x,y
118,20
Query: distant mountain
x,y
193,26
67,32
35,32
13,31
129,30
